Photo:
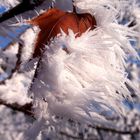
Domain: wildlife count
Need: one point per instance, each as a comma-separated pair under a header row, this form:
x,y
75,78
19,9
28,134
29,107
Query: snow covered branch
x,y
16,67
26,109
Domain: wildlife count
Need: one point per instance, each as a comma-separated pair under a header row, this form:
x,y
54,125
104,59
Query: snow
x,y
13,124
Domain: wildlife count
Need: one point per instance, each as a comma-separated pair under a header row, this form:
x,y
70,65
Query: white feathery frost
x,y
90,83
9,3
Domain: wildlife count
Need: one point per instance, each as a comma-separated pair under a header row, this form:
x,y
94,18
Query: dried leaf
x,y
52,21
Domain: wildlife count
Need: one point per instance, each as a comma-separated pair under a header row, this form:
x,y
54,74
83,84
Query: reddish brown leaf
x,y
52,21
